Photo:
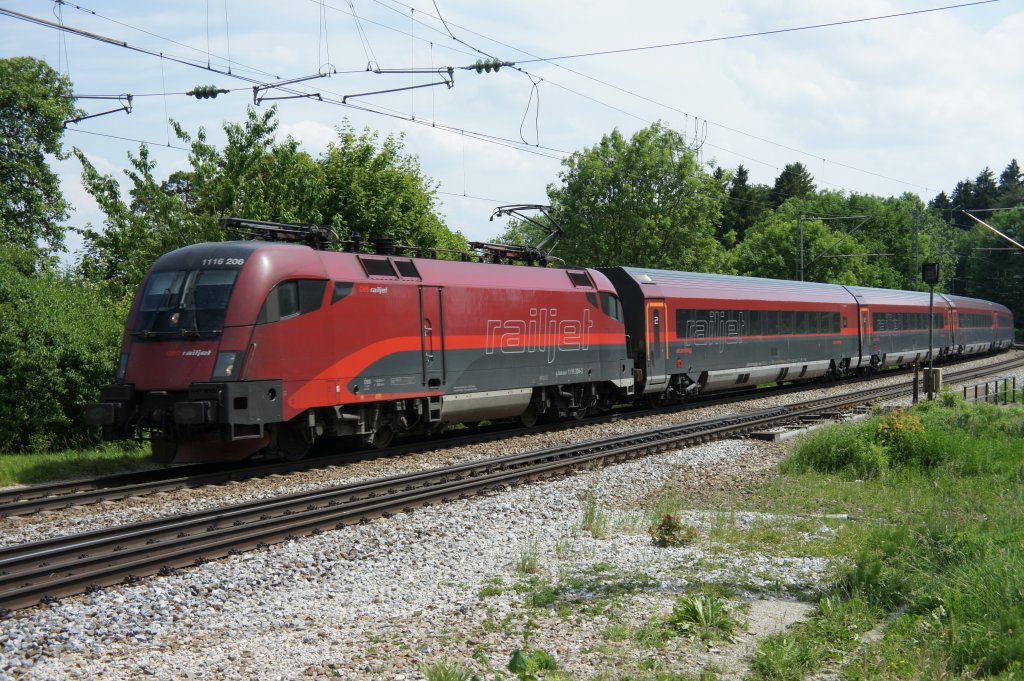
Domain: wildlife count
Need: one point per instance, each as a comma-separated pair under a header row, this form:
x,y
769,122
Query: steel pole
x,y
931,344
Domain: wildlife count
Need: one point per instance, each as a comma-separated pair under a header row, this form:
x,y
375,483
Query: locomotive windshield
x,y
185,303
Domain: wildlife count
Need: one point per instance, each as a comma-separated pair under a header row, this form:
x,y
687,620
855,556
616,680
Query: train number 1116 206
x,y
238,262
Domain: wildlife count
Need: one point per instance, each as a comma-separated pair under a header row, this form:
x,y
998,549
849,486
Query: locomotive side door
x,y
657,345
432,336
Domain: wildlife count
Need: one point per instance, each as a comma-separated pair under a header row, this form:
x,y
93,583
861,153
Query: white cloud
x,y
927,99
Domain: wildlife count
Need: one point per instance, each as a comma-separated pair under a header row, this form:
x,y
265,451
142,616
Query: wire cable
x,y
674,109
127,139
758,33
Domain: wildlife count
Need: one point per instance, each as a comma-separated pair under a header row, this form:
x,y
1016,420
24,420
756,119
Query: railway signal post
x,y
930,274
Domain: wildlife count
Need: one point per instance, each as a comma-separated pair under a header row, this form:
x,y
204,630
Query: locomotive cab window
x,y
292,298
185,302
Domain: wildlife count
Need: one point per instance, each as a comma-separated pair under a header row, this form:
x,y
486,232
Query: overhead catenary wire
x,y
484,137
94,13
669,107
504,141
227,33
120,43
755,34
128,139
62,42
623,90
637,117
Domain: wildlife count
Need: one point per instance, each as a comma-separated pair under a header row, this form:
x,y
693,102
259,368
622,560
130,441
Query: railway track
x,y
41,571
59,495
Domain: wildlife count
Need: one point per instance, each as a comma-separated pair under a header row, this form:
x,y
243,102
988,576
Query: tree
x,y
58,343
961,199
1011,186
352,186
34,103
747,205
645,201
795,181
136,233
986,191
866,240
379,191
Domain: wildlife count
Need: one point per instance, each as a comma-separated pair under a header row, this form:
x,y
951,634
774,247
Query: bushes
x,y
944,557
669,531
850,449
59,341
965,436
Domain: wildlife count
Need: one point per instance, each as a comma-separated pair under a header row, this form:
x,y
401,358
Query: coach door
x,y
432,336
657,345
865,336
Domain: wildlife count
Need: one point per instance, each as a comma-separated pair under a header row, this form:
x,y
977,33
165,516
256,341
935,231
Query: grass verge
x,y
935,566
35,468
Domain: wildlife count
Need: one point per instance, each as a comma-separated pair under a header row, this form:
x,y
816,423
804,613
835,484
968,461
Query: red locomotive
x,y
241,348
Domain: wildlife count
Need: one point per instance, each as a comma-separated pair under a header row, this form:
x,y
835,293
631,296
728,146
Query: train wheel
x,y
290,445
528,419
383,436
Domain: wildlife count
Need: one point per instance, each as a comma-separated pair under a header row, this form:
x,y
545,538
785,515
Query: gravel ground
x,y
376,601
18,530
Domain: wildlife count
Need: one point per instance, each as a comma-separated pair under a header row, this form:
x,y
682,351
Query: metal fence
x,y
997,391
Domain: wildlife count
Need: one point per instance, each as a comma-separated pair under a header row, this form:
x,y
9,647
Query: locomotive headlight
x,y
226,367
122,367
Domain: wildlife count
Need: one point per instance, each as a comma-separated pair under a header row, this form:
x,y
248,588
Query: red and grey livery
x,y
242,348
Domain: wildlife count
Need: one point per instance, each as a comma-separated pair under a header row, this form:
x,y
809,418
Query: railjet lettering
x,y
543,332
723,327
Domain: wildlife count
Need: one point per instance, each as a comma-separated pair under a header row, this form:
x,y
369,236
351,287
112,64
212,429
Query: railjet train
x,y
247,348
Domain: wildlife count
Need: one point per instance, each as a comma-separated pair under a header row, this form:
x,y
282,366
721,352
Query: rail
x,y
38,572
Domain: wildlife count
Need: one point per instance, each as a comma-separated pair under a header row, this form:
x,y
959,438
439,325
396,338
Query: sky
x,y
910,103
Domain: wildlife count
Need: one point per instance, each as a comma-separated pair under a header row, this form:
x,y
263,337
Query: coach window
x,y
785,322
754,323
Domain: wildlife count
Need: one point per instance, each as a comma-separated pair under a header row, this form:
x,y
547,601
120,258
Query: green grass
x,y
596,590
935,550
595,520
30,469
704,616
446,670
528,560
